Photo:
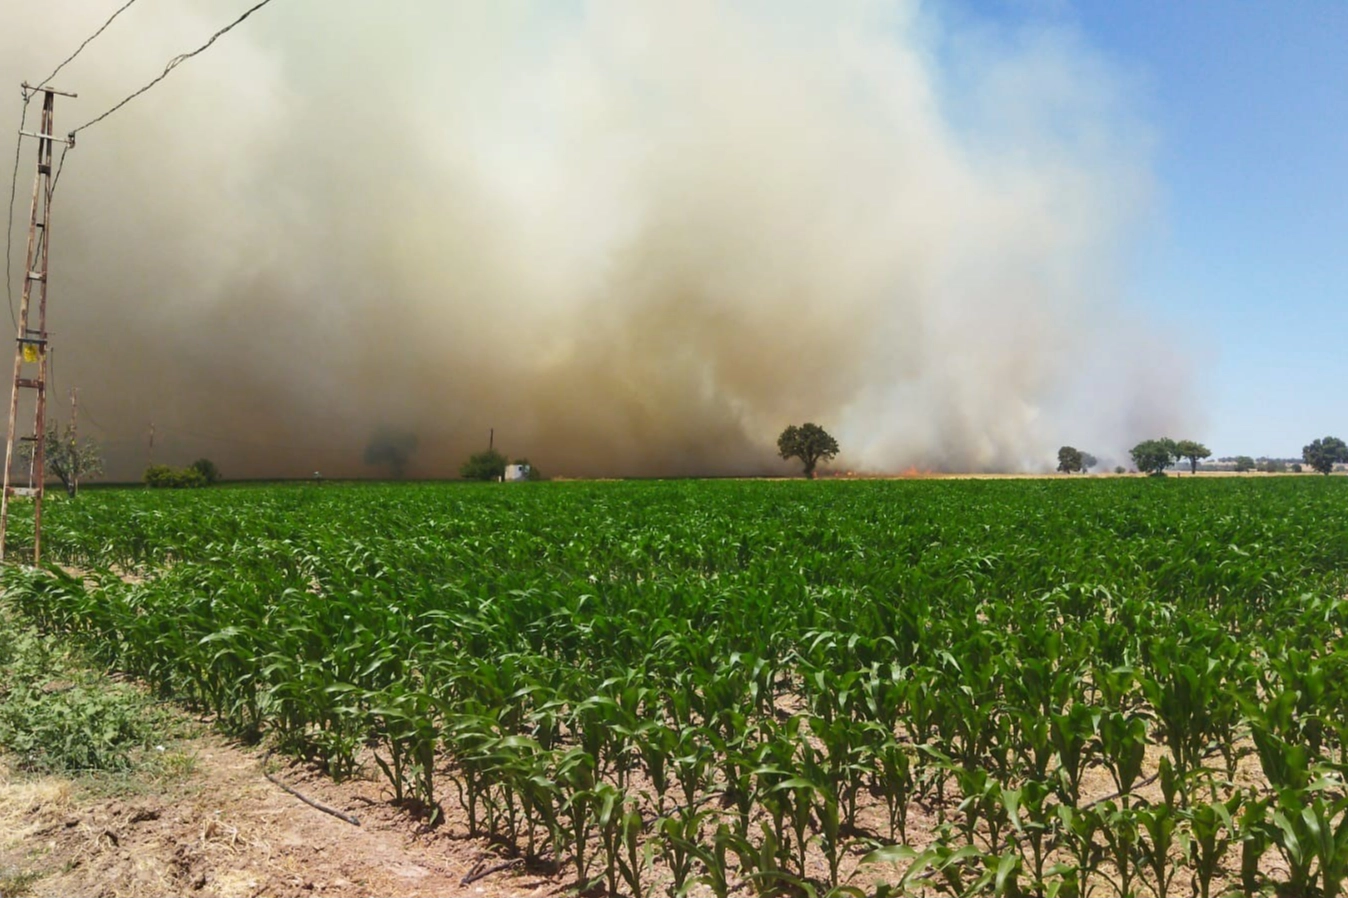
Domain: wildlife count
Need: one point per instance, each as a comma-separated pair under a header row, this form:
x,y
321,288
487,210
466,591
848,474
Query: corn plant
x,y
776,665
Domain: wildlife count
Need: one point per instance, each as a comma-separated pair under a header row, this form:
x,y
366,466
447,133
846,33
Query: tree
x,y
1088,462
1321,454
71,461
208,470
1069,459
809,443
488,465
1244,463
1193,451
1119,469
1153,457
1296,468
392,447
1273,466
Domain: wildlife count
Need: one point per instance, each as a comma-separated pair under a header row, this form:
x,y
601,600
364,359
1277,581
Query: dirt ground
x,y
220,828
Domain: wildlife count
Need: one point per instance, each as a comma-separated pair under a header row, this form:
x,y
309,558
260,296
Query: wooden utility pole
x,y
151,462
74,441
31,348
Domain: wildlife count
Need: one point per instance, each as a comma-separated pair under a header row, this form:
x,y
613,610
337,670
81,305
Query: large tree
x,y
1321,454
809,443
1193,451
1153,457
1070,459
70,460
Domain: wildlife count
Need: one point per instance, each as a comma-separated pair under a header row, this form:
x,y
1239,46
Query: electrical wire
x,y
9,222
18,148
199,435
96,423
60,164
87,41
173,64
220,438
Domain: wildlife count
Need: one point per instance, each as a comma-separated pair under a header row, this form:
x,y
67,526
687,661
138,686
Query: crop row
x,y
967,687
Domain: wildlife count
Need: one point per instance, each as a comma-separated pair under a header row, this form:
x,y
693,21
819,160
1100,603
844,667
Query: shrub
x,y
488,465
208,470
167,476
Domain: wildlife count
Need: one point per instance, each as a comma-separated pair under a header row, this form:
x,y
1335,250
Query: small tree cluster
x,y
1321,454
1154,456
1244,463
1071,459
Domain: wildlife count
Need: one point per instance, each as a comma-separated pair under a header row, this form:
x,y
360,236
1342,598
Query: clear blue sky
x,y
1248,260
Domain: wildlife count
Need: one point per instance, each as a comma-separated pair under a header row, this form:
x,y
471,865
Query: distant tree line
x,y
1155,456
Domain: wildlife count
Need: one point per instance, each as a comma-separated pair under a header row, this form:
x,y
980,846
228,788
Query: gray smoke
x,y
633,237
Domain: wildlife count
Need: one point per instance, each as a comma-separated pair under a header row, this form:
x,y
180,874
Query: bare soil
x,y
220,828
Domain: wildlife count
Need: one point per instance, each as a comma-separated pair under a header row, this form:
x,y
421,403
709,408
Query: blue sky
x,y
1246,259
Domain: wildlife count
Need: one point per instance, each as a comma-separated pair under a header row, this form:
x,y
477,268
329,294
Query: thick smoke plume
x,y
633,237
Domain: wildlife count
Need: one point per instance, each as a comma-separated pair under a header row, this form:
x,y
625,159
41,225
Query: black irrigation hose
x,y
349,819
474,874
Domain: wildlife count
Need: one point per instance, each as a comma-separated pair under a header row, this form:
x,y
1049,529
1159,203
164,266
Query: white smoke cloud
x,y
636,238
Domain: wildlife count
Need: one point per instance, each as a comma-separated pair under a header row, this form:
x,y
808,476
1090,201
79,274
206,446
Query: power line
x,y
60,164
87,42
219,438
18,147
98,424
9,223
173,64
253,443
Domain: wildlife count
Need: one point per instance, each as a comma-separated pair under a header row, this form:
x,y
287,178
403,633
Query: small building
x,y
517,471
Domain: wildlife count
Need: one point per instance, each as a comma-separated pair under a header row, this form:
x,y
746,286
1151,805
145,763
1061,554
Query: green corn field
x,y
1116,686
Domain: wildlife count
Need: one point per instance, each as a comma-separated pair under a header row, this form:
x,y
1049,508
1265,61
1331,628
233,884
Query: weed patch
x,y
58,717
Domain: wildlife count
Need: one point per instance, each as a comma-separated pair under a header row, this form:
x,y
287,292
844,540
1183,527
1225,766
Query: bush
x,y
488,465
208,470
1119,469
56,717
167,476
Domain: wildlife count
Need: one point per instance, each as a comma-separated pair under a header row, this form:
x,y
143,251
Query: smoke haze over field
x,y
636,238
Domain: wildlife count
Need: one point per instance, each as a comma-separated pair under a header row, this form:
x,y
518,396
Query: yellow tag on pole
x,y
30,352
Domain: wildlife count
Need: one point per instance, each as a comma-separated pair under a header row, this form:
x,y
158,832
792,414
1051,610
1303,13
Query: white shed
x,y
517,472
